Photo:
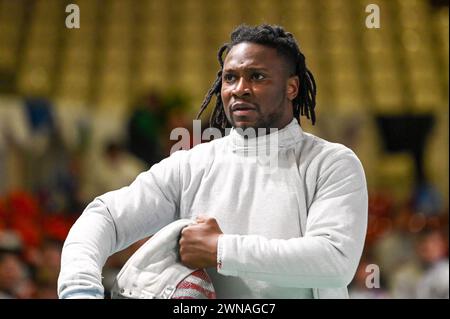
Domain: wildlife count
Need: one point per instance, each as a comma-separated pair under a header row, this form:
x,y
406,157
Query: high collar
x,y
289,135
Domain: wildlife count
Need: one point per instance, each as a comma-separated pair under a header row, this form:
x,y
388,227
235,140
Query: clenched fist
x,y
198,243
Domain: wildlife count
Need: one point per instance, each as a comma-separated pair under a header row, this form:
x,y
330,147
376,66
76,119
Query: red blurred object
x,y
380,204
2,213
56,227
28,230
23,204
380,221
21,212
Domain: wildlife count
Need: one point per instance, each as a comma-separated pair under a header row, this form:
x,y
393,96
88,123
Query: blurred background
x,y
83,111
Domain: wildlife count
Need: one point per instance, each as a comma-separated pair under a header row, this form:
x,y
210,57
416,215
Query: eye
x,y
258,76
229,77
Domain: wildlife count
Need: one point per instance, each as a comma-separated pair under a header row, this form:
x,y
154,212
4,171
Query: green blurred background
x,y
83,111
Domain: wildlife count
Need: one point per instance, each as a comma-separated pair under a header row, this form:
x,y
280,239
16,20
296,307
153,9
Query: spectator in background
x,y
426,274
15,137
15,280
11,274
144,129
433,251
47,269
177,116
396,246
115,168
365,287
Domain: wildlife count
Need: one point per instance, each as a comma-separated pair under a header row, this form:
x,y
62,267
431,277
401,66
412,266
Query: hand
x,y
198,243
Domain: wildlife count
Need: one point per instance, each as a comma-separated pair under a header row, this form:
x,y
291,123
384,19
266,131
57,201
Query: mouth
x,y
241,107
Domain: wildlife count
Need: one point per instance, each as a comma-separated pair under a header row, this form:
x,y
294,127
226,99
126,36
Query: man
x,y
297,232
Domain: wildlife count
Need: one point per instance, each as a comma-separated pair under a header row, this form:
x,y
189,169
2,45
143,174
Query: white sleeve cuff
x,y
227,255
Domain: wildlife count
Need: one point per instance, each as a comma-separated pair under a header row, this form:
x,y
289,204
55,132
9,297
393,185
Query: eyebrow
x,y
251,69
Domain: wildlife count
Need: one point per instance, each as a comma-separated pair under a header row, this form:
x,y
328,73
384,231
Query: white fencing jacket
x,y
294,220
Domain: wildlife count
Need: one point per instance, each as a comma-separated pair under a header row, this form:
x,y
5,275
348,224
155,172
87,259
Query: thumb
x,y
201,218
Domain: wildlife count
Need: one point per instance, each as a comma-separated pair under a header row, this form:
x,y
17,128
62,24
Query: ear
x,y
292,87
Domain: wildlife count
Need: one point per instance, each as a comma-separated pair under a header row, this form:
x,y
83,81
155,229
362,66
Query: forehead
x,y
252,55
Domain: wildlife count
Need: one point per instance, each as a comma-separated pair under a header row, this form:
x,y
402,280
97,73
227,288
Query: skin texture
x,y
257,92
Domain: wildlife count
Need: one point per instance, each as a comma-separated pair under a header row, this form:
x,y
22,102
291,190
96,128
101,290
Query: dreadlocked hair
x,y
284,42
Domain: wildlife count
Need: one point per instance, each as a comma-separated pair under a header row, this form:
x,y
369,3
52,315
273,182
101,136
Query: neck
x,y
251,132
284,137
247,132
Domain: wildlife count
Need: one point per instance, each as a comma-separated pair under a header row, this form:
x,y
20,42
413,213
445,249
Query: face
x,y
257,90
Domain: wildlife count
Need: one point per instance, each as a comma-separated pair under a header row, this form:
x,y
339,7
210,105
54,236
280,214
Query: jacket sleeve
x,y
328,254
114,221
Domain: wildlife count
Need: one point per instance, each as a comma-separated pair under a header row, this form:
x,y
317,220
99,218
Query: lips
x,y
241,106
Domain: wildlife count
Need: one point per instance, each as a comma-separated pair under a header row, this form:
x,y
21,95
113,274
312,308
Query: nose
x,y
241,88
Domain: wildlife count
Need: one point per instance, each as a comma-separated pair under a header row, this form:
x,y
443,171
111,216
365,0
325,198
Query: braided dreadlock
x,y
285,44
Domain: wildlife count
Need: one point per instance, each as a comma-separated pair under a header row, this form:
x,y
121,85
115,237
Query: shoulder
x,y
200,153
321,150
328,161
332,168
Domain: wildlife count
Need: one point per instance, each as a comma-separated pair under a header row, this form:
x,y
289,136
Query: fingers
x,y
205,219
184,250
198,242
184,232
204,225
184,257
201,218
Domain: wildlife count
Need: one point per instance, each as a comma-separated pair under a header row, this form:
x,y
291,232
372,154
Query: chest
x,y
247,198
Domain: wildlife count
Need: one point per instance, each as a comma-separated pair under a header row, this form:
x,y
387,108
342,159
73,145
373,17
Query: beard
x,y
266,121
